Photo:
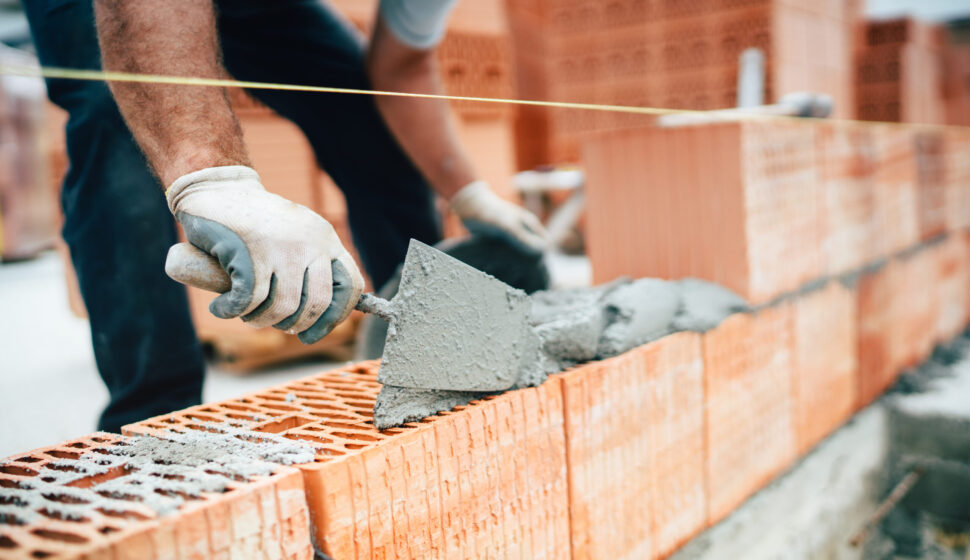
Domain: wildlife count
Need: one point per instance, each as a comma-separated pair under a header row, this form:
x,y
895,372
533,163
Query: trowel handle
x,y
191,266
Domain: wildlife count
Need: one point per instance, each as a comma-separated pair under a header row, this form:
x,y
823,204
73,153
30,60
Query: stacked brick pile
x,y
956,84
680,55
899,74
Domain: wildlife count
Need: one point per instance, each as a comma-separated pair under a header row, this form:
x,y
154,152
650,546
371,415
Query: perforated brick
x,y
54,504
635,439
823,362
749,425
847,182
488,479
734,203
879,359
953,281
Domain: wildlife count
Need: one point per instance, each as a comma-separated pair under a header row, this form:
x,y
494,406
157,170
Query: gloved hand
x,y
286,265
483,211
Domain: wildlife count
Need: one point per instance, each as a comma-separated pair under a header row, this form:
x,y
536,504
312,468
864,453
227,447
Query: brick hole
x,y
100,440
320,406
332,452
60,536
64,499
125,514
360,369
235,477
305,437
239,407
57,453
281,407
169,420
366,405
61,517
78,445
19,471
234,416
285,423
41,554
7,542
107,530
11,501
11,519
203,418
355,446
48,478
272,397
201,428
176,493
359,437
28,460
66,468
119,496
93,480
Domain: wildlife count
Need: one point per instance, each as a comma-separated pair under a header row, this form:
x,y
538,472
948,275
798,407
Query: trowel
x,y
451,326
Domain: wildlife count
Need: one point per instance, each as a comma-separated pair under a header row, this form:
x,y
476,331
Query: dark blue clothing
x,y
119,228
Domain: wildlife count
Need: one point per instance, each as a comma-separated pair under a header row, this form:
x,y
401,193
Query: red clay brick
x,y
488,479
846,173
953,281
879,358
266,516
917,306
956,173
635,440
823,362
749,426
894,220
735,203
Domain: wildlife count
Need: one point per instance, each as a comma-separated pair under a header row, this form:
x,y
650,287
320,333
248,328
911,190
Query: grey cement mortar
x,y
566,328
160,473
453,327
399,405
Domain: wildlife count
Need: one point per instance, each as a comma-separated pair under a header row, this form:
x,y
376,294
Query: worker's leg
x,y
118,228
301,41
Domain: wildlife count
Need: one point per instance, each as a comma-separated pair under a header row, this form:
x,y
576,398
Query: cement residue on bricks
x,y
110,494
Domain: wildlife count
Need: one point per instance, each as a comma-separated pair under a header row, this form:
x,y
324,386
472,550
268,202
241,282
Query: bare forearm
x,y
180,128
423,127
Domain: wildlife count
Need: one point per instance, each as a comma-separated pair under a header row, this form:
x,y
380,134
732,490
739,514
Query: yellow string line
x,y
106,76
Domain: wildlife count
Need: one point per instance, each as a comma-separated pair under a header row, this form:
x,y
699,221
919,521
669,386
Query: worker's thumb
x,y
189,265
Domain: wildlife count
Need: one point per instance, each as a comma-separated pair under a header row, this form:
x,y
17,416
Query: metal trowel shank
x,y
453,327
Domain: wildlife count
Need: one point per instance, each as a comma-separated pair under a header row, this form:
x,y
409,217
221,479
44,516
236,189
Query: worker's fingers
x,y
317,291
222,243
347,285
282,301
287,323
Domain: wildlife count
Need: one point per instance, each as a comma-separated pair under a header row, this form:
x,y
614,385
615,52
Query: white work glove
x,y
482,211
286,264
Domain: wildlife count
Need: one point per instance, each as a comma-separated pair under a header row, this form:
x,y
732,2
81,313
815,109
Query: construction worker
x,y
287,266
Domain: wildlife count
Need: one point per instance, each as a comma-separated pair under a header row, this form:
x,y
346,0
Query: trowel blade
x,y
453,327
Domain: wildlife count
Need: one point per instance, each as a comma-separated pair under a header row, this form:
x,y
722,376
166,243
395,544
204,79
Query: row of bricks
x,y
264,517
763,207
628,457
685,62
571,16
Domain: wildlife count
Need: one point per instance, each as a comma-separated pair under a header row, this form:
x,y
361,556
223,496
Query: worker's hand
x,y
286,266
483,211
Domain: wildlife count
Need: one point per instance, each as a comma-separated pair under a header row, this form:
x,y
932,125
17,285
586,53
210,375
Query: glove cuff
x,y
182,186
468,194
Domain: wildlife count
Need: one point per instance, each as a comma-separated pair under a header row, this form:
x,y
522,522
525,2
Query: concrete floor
x,y
49,387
